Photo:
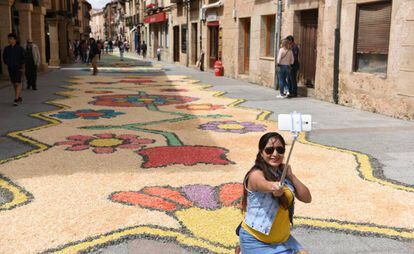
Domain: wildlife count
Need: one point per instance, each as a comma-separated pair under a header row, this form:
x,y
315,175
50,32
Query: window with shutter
x,y
372,37
184,38
269,35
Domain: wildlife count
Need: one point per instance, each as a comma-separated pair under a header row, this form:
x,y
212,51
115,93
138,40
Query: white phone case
x,y
294,122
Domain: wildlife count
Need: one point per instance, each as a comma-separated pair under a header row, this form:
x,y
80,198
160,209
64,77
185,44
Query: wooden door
x,y
214,43
176,43
308,47
246,46
194,40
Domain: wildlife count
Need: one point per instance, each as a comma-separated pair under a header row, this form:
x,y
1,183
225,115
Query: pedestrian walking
x,y
13,57
293,77
138,48
84,51
268,208
99,43
144,49
284,61
121,47
94,52
77,50
200,62
71,50
111,46
106,46
32,61
159,54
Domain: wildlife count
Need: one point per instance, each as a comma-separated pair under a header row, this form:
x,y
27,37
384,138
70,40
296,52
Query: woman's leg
x,y
282,80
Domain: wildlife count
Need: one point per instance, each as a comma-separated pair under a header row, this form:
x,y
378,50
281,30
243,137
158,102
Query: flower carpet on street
x,y
163,157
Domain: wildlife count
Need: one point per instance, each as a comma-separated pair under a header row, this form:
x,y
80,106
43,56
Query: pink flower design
x,y
104,143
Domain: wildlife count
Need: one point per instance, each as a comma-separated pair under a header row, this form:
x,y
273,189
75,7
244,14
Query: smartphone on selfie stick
x,y
295,123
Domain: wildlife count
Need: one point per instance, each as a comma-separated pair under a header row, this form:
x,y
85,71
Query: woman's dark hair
x,y
262,165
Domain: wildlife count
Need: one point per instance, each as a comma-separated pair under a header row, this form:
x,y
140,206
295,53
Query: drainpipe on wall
x,y
277,39
335,91
187,37
201,28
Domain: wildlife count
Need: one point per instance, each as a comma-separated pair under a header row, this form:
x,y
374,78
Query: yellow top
x,y
280,230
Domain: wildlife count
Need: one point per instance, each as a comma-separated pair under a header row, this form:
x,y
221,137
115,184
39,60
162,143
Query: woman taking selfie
x,y
268,209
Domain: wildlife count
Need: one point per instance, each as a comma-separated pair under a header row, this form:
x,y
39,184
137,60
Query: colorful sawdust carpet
x,y
163,157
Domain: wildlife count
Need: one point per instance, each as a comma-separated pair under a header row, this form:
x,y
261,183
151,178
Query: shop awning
x,y
156,18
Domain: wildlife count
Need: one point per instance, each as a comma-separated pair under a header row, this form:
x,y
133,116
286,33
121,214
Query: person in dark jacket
x,y
31,64
293,76
144,49
94,52
14,58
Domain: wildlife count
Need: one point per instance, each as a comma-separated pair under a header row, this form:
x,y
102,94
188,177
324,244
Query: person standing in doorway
x,y
13,57
284,61
293,77
32,62
144,49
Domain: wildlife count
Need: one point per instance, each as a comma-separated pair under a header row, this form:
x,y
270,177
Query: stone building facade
x,y
65,22
52,24
156,26
376,46
114,15
133,23
376,65
27,20
97,24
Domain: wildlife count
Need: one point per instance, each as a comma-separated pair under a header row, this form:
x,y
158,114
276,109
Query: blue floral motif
x,y
88,114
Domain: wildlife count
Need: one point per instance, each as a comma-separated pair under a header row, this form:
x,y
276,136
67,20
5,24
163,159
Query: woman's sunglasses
x,y
270,150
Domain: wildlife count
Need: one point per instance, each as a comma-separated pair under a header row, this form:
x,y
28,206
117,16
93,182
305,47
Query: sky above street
x,y
98,4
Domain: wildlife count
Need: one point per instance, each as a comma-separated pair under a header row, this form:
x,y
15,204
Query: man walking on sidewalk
x,y
32,62
13,57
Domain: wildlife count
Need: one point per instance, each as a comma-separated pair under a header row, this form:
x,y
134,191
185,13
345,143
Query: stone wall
x,y
391,93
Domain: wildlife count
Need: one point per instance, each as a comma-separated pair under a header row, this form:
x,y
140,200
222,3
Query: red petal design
x,y
143,200
168,193
142,141
78,148
105,135
70,143
127,137
230,193
185,155
130,146
102,150
80,138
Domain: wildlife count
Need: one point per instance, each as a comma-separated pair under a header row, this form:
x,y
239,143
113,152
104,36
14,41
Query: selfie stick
x,y
295,131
